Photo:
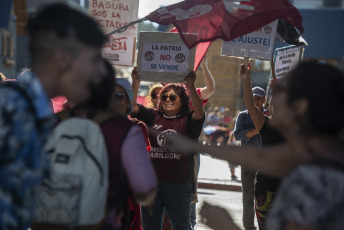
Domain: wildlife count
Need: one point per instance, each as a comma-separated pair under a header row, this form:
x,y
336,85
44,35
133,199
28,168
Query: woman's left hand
x,y
190,79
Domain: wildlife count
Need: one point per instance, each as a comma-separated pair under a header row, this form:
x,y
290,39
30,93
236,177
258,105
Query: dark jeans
x,y
247,180
193,205
176,199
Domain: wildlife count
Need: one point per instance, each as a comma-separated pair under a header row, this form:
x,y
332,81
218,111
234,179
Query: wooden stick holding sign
x,y
246,61
273,69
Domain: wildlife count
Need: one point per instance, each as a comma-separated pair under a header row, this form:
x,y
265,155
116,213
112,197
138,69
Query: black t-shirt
x,y
169,165
270,137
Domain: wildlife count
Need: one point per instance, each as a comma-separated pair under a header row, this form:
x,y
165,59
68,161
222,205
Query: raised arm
x,y
135,86
209,81
256,114
195,99
274,161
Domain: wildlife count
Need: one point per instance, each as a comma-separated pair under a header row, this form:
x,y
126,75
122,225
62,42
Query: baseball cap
x,y
124,83
259,92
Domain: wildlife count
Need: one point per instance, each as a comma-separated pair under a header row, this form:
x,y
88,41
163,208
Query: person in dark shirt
x,y
246,132
176,181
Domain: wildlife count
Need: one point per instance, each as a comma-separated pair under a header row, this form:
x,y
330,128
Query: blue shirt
x,y
23,164
244,124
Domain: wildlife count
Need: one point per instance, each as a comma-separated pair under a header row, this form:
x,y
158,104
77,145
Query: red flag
x,y
201,49
208,20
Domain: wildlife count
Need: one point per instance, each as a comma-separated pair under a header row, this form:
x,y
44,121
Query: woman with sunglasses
x,y
175,173
153,97
311,161
127,153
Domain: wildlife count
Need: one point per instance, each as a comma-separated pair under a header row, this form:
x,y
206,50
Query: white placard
x,y
163,57
286,59
112,15
258,44
120,50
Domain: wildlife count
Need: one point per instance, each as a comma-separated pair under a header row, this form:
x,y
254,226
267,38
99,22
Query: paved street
x,y
216,173
226,199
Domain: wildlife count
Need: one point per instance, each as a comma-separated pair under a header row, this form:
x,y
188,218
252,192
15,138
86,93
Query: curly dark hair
x,y
322,85
182,93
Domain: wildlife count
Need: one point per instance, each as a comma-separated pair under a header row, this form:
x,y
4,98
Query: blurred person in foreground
x,y
311,161
65,49
121,104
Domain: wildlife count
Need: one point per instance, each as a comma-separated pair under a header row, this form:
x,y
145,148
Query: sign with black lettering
x,y
163,57
286,58
258,44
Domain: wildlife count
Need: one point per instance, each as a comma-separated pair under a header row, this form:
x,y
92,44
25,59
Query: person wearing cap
x,y
265,186
247,134
121,99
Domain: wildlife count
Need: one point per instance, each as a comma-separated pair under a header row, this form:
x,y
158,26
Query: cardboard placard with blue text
x,y
258,44
163,57
286,58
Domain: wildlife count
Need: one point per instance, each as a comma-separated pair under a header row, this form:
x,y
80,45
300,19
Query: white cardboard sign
x,y
286,59
163,57
112,15
120,50
258,44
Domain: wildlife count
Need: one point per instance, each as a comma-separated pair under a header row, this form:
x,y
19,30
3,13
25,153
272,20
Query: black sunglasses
x,y
119,96
172,97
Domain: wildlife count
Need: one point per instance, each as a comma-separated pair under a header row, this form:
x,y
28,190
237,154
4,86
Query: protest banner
x,y
163,57
286,58
120,50
111,15
258,44
226,19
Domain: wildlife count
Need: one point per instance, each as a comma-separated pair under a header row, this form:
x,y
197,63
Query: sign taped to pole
x,y
111,15
163,57
286,58
258,44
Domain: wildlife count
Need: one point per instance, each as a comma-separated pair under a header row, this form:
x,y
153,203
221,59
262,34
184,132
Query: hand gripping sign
x,y
163,57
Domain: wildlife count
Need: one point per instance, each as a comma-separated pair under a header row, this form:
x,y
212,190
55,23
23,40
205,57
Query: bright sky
x,y
147,6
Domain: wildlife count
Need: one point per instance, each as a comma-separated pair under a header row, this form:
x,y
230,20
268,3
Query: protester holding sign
x,y
265,187
175,173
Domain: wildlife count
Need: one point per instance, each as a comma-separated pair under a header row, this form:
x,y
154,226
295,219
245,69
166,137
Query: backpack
x,y
75,193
